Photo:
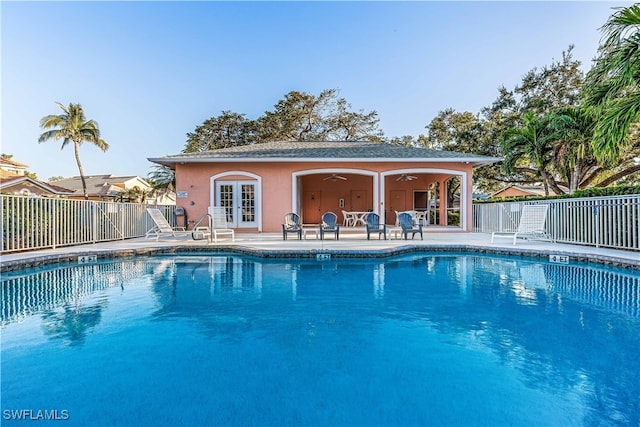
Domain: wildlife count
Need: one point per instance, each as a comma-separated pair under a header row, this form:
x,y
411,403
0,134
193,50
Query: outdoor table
x,y
359,217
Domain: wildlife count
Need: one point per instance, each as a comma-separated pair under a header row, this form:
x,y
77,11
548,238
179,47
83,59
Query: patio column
x,y
443,202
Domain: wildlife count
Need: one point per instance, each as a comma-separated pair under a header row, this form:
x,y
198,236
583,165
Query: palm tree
x,y
612,87
529,150
72,126
573,156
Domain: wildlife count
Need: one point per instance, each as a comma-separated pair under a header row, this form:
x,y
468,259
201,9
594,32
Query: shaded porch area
x,y
434,196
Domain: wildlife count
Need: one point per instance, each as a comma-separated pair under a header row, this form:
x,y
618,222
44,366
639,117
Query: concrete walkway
x,y
352,243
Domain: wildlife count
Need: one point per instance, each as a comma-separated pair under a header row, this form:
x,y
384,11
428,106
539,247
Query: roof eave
x,y
469,160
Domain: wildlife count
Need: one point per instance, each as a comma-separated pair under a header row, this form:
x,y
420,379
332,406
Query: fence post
x,y
94,222
122,214
54,220
596,211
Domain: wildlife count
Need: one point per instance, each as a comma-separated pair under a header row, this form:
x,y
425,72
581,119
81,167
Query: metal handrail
x,y
197,224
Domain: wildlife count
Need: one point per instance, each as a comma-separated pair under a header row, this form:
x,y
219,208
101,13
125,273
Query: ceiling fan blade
x,y
406,177
334,177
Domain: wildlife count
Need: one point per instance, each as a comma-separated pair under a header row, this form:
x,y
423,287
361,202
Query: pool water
x,y
426,339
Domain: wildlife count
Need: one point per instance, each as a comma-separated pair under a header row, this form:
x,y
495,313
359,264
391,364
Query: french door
x,y
239,200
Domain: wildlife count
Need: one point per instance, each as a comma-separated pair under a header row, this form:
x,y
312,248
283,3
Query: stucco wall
x,y
277,185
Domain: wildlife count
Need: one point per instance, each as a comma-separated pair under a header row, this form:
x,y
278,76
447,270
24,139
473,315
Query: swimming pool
x,y
424,339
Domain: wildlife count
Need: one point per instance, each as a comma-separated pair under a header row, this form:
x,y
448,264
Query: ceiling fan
x,y
405,177
334,177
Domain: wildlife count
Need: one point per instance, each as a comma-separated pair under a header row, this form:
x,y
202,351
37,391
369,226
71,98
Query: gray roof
x,y
97,185
51,188
322,150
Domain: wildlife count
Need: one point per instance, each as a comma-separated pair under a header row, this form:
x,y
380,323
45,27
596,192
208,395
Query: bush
x,y
590,192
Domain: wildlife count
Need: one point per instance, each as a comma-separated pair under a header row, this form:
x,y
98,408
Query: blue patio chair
x,y
291,225
406,223
329,225
373,226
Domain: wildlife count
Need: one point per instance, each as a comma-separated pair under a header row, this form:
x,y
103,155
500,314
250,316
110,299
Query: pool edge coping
x,y
72,256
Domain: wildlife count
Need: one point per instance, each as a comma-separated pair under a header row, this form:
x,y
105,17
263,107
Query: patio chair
x,y
162,228
219,224
329,225
531,225
291,225
407,225
373,226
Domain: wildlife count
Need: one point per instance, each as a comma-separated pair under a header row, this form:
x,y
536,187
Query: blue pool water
x,y
414,340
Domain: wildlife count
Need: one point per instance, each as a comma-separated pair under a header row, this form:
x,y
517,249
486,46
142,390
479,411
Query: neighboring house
x,y
113,188
258,184
10,167
521,191
26,186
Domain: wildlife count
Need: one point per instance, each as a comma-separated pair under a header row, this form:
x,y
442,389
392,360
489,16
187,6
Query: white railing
x,y
37,223
611,222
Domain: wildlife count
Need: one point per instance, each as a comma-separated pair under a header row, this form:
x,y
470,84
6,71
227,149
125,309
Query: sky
x,y
150,72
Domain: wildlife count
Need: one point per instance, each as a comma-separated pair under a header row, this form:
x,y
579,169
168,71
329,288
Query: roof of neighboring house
x,y
286,151
529,190
5,161
51,188
98,185
8,174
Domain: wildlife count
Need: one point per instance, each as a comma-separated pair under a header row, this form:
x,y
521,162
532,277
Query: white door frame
x,y
464,202
295,192
253,178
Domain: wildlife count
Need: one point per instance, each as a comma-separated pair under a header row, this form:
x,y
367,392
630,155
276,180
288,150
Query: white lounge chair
x,y
162,228
219,225
532,224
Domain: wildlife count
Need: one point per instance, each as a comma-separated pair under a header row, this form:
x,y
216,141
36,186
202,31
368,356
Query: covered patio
x,y
258,184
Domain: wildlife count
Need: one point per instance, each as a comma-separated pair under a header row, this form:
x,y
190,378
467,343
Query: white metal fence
x,y
612,222
36,223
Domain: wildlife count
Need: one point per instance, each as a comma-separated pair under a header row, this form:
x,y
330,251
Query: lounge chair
x,y
291,225
329,225
373,226
162,228
219,224
531,225
406,224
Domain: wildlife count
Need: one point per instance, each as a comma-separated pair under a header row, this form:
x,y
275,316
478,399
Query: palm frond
x,y
613,127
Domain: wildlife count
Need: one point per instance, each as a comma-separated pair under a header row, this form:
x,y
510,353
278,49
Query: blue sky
x,y
149,72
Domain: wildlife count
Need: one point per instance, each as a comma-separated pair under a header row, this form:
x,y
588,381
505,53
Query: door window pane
x,y
226,199
248,198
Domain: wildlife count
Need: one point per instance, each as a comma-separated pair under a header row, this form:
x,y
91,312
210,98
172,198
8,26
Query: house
x,y
521,191
27,186
259,184
114,188
9,168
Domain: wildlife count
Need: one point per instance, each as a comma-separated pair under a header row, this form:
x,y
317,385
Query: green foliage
x,y
299,116
589,192
72,127
162,177
611,88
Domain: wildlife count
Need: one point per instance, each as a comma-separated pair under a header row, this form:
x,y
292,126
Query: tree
x,y
466,132
529,150
573,159
72,126
227,130
612,87
299,116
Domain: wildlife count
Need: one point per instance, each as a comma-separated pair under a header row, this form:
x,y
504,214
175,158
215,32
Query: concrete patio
x,y
351,244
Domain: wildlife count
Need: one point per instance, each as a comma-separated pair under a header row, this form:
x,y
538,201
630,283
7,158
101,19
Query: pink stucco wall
x,y
276,182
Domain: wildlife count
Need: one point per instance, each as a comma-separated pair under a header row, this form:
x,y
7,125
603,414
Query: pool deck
x,y
352,243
